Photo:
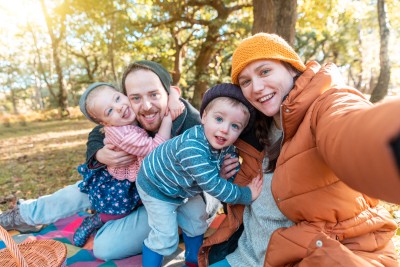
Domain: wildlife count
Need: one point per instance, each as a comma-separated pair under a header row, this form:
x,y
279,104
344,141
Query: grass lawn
x,y
41,157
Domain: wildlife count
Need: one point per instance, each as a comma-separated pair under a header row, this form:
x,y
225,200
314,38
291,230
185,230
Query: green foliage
x,y
346,33
324,30
103,37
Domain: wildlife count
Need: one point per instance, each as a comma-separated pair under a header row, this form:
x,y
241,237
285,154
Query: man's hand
x,y
228,168
108,156
255,187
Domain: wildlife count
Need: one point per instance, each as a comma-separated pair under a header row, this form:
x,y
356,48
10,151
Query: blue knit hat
x,y
82,100
232,91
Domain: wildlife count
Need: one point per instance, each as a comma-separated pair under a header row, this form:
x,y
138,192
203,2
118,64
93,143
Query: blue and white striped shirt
x,y
186,165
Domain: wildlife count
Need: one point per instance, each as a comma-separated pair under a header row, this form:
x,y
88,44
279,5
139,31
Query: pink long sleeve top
x,y
133,140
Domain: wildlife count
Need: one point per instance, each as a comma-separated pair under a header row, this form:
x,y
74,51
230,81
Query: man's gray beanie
x,y
160,71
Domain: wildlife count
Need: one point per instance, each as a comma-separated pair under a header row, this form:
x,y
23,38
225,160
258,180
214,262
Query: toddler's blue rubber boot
x,y
192,246
151,258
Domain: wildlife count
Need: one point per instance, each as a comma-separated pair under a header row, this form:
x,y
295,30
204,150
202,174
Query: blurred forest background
x,y
50,50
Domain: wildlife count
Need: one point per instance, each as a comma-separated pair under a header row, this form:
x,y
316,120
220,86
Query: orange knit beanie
x,y
263,46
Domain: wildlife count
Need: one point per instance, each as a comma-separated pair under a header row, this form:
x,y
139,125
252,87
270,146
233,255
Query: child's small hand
x,y
168,117
255,187
175,109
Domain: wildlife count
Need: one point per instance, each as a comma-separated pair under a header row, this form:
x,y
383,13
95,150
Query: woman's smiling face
x,y
265,83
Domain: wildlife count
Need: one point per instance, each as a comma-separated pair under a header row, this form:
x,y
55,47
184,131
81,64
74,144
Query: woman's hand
x,y
255,187
228,168
112,158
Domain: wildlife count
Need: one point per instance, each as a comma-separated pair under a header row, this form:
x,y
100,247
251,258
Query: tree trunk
x,y
381,88
14,102
40,67
180,47
358,80
209,48
62,93
206,53
38,94
275,16
111,47
55,45
176,73
13,97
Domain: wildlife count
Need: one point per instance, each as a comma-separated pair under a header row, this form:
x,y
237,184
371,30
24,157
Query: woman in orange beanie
x,y
326,153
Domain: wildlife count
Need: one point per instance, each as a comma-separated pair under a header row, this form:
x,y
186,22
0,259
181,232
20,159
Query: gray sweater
x,y
260,220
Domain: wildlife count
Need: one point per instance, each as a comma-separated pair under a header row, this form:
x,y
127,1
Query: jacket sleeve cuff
x,y
93,164
246,200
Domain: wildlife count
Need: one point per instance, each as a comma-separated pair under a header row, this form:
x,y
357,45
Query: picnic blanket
x,y
63,231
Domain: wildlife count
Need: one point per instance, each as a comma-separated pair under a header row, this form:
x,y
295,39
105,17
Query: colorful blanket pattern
x,y
63,231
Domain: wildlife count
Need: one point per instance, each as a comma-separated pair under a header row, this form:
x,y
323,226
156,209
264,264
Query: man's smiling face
x,y
148,98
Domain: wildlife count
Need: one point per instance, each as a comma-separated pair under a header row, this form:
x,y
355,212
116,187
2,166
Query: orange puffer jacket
x,y
335,146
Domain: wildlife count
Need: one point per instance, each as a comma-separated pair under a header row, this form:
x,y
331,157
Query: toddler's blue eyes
x,y
218,119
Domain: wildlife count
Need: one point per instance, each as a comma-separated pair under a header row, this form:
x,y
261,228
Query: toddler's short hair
x,y
230,91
